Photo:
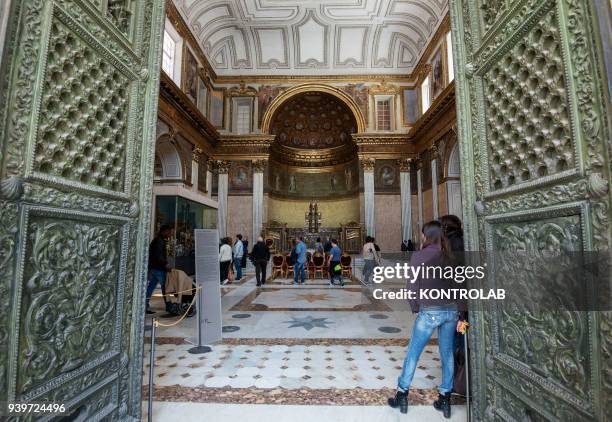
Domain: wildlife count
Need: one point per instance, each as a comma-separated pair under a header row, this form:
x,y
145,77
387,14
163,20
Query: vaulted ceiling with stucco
x,y
313,37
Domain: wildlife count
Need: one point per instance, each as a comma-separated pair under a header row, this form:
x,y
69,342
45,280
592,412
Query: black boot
x,y
400,400
443,404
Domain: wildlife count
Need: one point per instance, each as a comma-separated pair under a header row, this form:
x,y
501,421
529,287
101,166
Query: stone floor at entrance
x,y
293,353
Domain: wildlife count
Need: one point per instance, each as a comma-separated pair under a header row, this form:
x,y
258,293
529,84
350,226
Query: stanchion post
x,y
151,365
200,348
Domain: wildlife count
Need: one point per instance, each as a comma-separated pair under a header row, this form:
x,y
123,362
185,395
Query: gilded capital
x,y
259,166
404,164
198,155
434,150
222,167
367,164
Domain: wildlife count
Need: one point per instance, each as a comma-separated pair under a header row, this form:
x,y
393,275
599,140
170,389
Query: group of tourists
x,y
441,245
237,254
299,258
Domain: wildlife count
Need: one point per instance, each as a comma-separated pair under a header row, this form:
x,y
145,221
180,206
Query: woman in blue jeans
x,y
432,314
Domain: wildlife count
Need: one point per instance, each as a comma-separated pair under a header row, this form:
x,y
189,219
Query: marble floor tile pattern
x,y
291,367
331,351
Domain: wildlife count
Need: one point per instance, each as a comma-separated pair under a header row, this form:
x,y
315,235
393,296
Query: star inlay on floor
x,y
308,322
310,298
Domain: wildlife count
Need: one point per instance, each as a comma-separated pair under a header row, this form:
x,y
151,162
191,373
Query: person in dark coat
x,y
245,243
327,247
260,255
158,263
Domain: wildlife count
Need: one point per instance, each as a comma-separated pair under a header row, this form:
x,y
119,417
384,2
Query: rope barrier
x,y
159,324
177,293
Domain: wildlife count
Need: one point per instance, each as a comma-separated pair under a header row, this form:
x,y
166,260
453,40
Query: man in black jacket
x,y
158,263
260,255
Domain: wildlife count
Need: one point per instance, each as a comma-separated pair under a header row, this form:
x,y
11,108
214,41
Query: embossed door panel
x,y
534,129
78,109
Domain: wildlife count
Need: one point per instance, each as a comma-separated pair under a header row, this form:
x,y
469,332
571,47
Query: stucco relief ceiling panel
x,y
313,37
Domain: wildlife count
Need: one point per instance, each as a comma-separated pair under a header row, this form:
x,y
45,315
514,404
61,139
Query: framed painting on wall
x,y
437,82
410,106
202,96
215,114
190,84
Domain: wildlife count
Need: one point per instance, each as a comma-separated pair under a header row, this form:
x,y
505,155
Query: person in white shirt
x,y
225,259
238,253
370,259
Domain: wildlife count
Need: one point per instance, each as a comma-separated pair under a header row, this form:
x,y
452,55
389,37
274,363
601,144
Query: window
x,y
171,53
383,114
425,95
243,118
449,57
169,49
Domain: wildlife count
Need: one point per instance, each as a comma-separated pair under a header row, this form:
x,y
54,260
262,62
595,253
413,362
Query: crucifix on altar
x,y
313,218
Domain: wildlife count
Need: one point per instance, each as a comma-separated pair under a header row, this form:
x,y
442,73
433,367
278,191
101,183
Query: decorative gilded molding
x,y
323,157
242,91
184,105
244,140
381,139
307,79
384,88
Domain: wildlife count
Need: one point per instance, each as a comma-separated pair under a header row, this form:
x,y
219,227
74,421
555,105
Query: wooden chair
x,y
309,266
318,262
290,270
277,265
345,262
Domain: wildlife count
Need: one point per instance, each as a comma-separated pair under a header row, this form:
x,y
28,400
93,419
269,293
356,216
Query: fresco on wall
x,y
191,75
437,84
240,177
216,108
339,183
266,95
359,93
386,176
411,106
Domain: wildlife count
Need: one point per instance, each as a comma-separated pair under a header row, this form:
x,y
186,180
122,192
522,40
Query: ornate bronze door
x,y
79,84
533,116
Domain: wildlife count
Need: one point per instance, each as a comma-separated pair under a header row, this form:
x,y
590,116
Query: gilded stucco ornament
x,y
367,164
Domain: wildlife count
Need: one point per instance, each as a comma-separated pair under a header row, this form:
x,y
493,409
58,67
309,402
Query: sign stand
x,y
209,313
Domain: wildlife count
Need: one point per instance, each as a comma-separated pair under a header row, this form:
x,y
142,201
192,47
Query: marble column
x,y
420,195
434,181
368,195
195,169
406,198
222,170
259,167
210,164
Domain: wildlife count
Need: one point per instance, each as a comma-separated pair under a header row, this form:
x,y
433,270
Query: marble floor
x,y
293,352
